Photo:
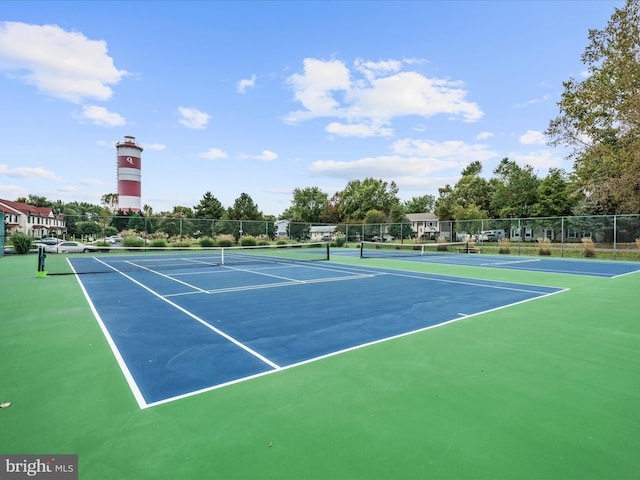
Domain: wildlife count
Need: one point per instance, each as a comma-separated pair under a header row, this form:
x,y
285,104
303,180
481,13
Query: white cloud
x,y
11,191
358,130
484,136
542,159
533,137
29,172
390,166
313,88
410,93
375,93
155,146
193,118
453,150
68,190
266,156
415,165
374,69
246,83
213,154
61,64
91,182
101,116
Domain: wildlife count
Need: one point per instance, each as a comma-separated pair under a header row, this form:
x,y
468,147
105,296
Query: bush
x,y
263,243
21,243
206,242
588,248
248,242
544,246
132,242
281,242
504,246
158,242
225,242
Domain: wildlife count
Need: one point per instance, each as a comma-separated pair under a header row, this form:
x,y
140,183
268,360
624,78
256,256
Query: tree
x,y
39,201
600,115
555,197
332,210
446,203
308,204
176,224
516,190
109,201
471,192
422,204
209,207
472,189
244,208
359,197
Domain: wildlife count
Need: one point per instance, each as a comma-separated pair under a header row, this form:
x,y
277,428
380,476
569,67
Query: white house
x,y
282,228
424,225
34,221
322,232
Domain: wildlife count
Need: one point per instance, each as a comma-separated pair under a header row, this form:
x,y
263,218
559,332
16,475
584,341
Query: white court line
x,y
157,273
272,285
510,262
137,394
473,284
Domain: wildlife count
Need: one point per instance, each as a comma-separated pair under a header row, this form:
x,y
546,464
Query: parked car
x,y
48,241
111,239
49,244
74,247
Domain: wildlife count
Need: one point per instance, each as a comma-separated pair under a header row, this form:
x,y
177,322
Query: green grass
x,y
545,389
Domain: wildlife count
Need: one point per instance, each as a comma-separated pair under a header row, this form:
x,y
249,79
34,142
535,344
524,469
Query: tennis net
x,y
390,250
158,259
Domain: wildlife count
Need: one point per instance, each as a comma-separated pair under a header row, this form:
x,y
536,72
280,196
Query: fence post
x,y
615,235
562,237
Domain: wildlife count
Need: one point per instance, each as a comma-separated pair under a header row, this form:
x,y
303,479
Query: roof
x,y
8,206
422,217
323,228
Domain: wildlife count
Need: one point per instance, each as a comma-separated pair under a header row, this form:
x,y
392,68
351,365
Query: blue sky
x,y
265,97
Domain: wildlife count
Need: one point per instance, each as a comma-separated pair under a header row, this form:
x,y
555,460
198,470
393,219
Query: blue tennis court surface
x,y
593,268
179,332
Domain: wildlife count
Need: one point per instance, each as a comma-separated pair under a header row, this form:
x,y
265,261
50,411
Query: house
x,y
282,228
322,232
424,225
33,221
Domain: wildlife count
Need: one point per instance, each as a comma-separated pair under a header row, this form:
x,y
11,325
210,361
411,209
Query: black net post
x,y
41,261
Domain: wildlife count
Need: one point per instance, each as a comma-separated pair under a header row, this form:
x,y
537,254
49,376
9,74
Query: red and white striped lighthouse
x,y
129,161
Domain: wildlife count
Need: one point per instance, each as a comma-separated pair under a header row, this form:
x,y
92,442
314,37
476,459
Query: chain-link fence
x,y
563,236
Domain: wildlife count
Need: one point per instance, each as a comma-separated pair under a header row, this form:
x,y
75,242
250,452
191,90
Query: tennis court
x,y
177,330
352,368
454,254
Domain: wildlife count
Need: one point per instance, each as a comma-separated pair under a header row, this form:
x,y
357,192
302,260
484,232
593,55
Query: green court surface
x,y
548,389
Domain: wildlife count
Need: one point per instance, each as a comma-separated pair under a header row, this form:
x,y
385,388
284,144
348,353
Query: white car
x,y
74,247
49,245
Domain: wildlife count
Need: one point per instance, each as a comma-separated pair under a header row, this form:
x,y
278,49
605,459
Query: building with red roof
x,y
34,221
